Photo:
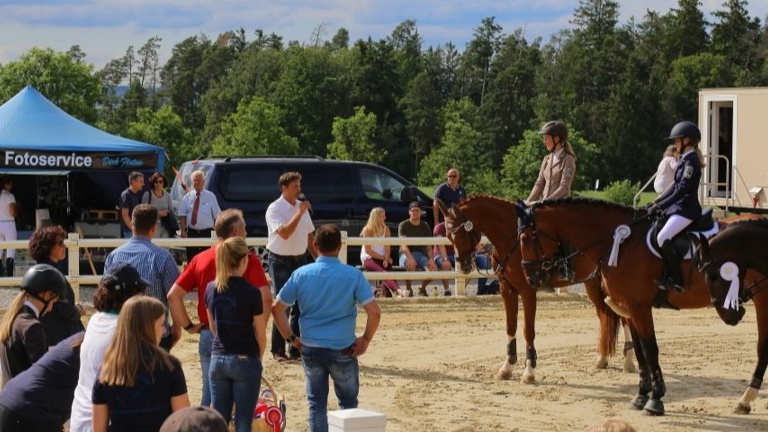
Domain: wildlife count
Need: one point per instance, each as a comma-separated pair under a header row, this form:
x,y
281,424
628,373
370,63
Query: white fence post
x,y
343,251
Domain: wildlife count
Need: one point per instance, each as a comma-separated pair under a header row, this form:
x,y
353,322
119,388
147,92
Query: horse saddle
x,y
704,225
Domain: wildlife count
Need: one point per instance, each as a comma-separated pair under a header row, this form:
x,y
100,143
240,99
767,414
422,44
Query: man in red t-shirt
x,y
198,273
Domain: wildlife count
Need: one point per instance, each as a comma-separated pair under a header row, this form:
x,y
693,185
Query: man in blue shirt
x,y
154,263
328,292
450,192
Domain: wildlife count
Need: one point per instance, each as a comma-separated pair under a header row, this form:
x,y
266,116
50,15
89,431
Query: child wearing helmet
x,y
557,168
22,337
680,202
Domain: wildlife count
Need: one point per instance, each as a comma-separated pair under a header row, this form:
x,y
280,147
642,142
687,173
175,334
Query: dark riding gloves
x,y
651,209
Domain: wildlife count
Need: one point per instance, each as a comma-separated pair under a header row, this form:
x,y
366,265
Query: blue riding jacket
x,y
683,198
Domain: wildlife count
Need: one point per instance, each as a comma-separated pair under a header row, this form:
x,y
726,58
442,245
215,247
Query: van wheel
x,y
263,256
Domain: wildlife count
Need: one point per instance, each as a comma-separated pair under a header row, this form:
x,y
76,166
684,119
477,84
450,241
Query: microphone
x,y
304,198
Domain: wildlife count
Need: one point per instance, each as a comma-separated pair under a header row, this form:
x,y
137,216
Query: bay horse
x,y
589,226
495,217
743,244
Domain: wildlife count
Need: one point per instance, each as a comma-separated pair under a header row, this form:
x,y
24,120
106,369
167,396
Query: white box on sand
x,y
356,420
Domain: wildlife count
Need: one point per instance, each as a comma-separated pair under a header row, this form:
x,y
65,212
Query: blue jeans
x,y
319,364
482,262
280,271
421,260
235,379
204,349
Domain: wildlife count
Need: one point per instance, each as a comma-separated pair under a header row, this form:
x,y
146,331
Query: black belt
x,y
287,257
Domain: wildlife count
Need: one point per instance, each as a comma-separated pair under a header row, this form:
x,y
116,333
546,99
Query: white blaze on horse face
x,y
730,272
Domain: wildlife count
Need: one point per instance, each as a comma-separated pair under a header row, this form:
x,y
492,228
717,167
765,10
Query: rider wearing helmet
x,y
680,202
555,177
559,166
22,338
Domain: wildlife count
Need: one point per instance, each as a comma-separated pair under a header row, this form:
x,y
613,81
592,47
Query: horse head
x,y
538,263
724,280
462,234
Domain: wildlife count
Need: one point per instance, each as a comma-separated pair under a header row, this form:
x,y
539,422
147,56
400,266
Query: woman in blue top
x,y
238,323
680,202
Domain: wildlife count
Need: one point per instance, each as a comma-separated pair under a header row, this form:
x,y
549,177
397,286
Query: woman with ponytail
x,y
238,323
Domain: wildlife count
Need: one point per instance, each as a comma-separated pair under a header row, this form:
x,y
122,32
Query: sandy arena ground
x,y
431,367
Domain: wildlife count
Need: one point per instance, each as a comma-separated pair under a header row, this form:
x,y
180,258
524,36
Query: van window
x,y
327,183
248,183
380,186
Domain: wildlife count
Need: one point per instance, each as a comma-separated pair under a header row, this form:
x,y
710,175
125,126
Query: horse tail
x,y
610,322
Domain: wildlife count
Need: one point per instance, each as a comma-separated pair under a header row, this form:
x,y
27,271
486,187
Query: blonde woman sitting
x,y
376,258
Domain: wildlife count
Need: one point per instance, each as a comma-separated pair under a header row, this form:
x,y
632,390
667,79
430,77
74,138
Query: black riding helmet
x,y
43,277
686,129
555,128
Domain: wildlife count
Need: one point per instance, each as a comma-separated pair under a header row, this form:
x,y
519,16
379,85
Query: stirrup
x,y
669,284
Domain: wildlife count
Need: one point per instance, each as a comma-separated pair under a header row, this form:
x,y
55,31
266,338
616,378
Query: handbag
x,y
169,222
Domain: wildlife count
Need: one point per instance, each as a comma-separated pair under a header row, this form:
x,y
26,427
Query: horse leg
x,y
510,297
644,386
744,405
529,314
629,348
642,320
606,345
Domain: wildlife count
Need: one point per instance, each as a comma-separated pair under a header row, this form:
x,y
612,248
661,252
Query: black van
x,y
341,192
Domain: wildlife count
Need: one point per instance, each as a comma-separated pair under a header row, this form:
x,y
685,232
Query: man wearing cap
x,y
450,192
202,270
154,264
290,236
416,257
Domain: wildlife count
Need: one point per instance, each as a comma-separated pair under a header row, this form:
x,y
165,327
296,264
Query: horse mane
x,y
593,202
759,223
477,196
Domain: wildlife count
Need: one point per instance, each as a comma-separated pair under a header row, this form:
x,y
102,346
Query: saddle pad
x,y
708,234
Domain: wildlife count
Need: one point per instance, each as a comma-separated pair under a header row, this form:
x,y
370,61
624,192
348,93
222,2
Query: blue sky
x,y
105,28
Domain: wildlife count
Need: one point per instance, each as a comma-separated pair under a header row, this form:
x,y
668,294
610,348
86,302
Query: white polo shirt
x,y
6,199
279,213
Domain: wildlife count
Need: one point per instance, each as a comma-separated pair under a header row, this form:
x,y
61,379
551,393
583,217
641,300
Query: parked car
x,y
341,192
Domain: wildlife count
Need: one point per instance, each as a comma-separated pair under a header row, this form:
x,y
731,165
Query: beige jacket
x,y
555,178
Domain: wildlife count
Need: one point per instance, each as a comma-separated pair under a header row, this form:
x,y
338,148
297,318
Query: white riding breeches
x,y
673,227
8,232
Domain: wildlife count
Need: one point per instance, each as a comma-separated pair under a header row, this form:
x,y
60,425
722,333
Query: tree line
x,y
419,110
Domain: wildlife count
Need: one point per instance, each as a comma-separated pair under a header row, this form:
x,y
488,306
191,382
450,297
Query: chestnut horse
x,y
495,217
589,226
743,245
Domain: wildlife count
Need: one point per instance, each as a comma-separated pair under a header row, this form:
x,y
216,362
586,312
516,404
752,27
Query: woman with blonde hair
x,y
238,322
376,257
22,337
665,173
139,384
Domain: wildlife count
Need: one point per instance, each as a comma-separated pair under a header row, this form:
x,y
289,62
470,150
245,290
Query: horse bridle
x,y
543,263
467,260
746,293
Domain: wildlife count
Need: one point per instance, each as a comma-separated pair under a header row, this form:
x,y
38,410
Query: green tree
x,y
65,80
735,37
462,148
690,74
353,138
688,29
164,128
522,164
254,129
478,58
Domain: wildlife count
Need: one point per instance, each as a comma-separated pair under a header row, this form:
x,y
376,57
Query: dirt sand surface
x,y
432,367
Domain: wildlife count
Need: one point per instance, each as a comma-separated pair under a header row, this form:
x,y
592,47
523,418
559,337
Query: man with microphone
x,y
290,234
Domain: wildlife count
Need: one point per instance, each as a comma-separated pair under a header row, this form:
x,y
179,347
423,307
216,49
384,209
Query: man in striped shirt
x,y
154,264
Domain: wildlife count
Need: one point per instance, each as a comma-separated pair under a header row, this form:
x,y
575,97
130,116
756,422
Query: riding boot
x,y
673,277
2,268
9,267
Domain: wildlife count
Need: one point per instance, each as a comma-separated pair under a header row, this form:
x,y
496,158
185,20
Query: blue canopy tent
x,y
37,138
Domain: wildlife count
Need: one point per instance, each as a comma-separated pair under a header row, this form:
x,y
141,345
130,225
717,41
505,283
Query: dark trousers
x,y
194,250
280,269
10,422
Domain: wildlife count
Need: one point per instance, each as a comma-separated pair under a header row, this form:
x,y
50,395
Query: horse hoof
x,y
527,379
638,402
629,367
742,409
503,375
601,363
654,407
